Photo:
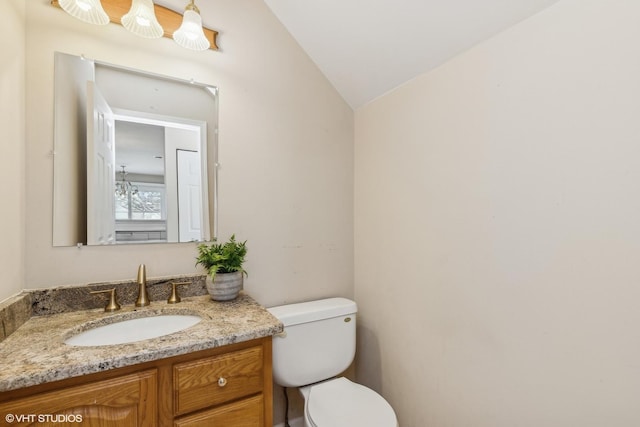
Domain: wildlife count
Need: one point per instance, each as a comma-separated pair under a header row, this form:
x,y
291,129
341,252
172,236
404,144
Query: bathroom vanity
x,y
217,372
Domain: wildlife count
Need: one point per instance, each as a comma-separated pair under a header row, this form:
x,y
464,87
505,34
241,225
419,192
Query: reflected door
x,y
101,157
189,195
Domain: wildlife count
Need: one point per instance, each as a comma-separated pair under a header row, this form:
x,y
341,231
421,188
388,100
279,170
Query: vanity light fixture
x,y
190,35
141,20
90,11
123,187
160,21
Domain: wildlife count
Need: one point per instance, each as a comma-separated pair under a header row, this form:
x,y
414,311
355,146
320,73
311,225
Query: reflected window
x,y
149,203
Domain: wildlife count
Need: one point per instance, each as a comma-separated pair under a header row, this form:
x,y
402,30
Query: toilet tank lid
x,y
304,312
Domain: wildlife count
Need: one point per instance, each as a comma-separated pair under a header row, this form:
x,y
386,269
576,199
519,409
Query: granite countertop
x,y
36,353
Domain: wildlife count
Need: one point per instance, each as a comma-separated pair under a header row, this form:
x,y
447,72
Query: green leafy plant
x,y
225,257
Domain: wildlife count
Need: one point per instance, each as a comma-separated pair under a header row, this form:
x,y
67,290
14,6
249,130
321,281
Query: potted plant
x,y
223,262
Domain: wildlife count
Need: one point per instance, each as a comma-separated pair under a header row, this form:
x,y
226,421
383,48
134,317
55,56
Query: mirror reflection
x,y
134,156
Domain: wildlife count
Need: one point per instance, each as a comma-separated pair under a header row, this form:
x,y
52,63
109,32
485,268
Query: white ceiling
x,y
140,148
368,47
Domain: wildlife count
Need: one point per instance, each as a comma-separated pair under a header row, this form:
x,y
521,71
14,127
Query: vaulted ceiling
x,y
368,47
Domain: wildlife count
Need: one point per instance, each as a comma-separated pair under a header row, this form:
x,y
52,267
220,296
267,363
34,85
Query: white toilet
x,y
318,343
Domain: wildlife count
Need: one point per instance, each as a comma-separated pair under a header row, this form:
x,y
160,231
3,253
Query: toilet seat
x,y
342,403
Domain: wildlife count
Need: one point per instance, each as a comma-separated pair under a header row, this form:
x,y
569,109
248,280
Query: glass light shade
x,y
190,35
90,11
141,20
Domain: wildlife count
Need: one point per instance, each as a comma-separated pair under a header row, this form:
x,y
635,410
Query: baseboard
x,y
297,422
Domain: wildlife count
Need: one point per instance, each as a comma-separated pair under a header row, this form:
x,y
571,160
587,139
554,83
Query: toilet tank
x,y
318,342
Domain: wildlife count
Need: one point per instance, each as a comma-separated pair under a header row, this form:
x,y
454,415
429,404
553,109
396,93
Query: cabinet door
x,y
244,413
127,401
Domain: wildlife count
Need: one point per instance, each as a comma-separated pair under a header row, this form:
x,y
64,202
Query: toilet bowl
x,y
318,344
342,403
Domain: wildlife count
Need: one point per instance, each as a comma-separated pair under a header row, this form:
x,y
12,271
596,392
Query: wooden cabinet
x,y
127,401
213,380
243,413
229,386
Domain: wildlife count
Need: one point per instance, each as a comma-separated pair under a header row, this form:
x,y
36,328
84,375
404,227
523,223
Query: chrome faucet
x,y
143,298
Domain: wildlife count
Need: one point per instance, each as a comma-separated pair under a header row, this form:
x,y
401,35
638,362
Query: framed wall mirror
x,y
135,156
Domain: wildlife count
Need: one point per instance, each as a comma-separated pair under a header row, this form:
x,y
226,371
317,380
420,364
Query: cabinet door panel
x,y
244,413
128,401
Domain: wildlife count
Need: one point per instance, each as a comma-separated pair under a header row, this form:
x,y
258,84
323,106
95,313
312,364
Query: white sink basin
x,y
132,330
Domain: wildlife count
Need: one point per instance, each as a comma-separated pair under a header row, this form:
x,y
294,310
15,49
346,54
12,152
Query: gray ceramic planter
x,y
226,286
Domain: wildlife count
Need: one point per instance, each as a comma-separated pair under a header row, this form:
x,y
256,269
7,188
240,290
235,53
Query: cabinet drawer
x,y
244,413
218,379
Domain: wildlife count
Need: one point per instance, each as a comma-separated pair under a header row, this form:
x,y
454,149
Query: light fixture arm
x,y
192,6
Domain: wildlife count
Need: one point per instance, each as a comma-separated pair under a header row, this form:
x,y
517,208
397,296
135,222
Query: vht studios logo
x,y
42,418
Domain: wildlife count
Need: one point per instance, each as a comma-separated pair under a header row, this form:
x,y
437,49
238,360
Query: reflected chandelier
x,y
124,187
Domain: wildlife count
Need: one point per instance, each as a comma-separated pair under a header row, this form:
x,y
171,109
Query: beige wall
x,y
286,150
497,237
496,203
12,116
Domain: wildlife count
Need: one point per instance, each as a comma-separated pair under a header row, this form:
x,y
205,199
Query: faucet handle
x,y
113,303
175,298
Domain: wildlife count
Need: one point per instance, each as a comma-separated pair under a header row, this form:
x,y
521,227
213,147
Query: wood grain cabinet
x,y
244,413
229,386
127,401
